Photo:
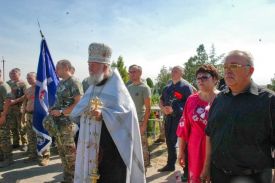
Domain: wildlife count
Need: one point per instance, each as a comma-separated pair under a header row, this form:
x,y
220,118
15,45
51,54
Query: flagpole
x,y
44,94
42,35
3,71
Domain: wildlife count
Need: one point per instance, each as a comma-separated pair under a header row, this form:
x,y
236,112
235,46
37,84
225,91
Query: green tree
x,y
149,82
190,68
163,77
216,60
271,86
200,58
119,64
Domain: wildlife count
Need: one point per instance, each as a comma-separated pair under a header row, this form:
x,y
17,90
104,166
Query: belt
x,y
251,171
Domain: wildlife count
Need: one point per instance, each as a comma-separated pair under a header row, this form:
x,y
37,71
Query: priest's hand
x,y
96,114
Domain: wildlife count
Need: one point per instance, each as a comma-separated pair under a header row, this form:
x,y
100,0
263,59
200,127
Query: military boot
x,y
68,178
24,148
44,161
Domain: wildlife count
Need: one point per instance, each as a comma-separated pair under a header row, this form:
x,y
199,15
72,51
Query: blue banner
x,y
45,91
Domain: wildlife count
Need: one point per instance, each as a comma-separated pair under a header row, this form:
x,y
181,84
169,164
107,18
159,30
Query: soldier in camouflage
x,y
5,141
17,125
28,107
85,84
10,81
58,123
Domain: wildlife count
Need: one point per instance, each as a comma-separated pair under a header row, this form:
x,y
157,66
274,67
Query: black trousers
x,y
219,176
171,125
112,168
185,169
76,138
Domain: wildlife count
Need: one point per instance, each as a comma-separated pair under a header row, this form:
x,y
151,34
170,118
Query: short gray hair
x,y
31,74
65,63
16,70
179,68
136,66
244,54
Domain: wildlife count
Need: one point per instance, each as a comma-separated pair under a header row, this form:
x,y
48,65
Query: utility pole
x,y
3,69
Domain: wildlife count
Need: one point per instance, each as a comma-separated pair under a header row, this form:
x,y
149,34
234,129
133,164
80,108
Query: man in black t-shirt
x,y
240,126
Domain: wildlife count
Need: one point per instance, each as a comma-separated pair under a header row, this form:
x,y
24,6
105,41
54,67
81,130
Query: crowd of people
x,y
100,125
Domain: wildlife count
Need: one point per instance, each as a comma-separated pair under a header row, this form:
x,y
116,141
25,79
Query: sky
x,y
150,33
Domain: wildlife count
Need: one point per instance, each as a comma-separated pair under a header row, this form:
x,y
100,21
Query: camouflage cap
x,y
100,53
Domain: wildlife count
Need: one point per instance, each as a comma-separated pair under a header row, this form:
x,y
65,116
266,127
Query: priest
x,y
109,146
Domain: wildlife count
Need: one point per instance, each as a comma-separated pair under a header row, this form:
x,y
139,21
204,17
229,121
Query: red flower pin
x,y
178,95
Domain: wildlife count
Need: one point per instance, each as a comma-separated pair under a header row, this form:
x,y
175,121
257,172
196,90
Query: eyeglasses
x,y
132,72
234,66
203,78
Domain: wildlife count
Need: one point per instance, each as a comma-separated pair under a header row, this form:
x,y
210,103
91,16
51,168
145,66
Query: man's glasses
x,y
234,66
203,78
132,72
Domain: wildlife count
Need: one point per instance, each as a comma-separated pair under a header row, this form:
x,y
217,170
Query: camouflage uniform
x,y
5,141
145,149
9,82
32,153
85,84
17,126
32,138
62,127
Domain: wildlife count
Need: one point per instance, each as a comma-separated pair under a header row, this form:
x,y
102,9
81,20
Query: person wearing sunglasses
x,y
193,122
240,129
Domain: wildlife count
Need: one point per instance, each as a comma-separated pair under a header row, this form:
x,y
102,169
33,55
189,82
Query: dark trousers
x,y
185,169
112,168
76,138
171,125
219,176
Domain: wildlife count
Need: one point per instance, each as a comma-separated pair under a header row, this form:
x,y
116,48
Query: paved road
x,y
20,172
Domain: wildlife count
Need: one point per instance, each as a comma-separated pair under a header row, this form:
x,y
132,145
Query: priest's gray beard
x,y
96,78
